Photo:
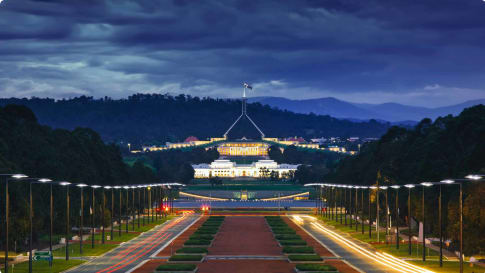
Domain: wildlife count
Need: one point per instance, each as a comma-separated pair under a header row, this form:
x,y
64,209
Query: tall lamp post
x,y
424,184
362,206
31,212
409,186
93,213
102,212
81,213
127,211
133,208
396,212
66,184
119,211
7,178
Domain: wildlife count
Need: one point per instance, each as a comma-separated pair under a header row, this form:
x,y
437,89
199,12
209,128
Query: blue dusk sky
x,y
415,52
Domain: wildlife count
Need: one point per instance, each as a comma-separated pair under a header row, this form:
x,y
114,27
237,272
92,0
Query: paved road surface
x,y
360,259
131,253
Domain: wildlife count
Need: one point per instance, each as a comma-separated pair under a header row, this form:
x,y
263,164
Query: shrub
x,y
298,249
284,231
193,258
207,237
303,258
292,242
176,267
192,250
200,232
288,237
197,242
315,267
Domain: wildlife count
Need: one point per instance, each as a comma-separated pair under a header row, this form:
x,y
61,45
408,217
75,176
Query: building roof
x,y
191,138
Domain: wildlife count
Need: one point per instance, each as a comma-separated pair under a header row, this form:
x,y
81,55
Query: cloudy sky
x,y
417,52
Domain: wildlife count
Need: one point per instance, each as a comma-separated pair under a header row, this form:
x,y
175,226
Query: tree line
x,y
77,156
156,118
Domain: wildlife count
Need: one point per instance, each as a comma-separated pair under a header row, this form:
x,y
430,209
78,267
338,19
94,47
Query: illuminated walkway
x,y
353,251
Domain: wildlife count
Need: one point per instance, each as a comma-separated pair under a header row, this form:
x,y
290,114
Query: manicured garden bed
x,y
292,242
288,237
187,258
176,268
192,250
298,249
305,258
197,243
279,232
206,237
315,268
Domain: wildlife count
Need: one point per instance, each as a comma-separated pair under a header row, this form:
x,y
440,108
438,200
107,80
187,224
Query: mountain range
x,y
392,112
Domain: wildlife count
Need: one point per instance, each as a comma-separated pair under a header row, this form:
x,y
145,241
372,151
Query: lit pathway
x,y
130,254
352,251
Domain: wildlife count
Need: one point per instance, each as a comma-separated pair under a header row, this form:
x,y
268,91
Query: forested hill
x,y
448,147
144,118
77,156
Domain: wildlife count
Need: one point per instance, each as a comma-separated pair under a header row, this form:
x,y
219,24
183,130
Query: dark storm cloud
x,y
379,50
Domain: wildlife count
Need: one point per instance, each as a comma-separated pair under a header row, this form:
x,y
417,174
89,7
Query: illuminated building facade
x,y
229,169
243,148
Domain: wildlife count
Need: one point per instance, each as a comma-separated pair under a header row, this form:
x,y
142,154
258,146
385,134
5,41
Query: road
x,y
353,251
131,253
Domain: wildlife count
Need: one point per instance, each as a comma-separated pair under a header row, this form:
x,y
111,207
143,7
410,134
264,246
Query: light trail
x,y
381,258
132,247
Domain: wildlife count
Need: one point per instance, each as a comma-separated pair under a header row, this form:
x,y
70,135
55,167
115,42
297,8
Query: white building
x,y
227,168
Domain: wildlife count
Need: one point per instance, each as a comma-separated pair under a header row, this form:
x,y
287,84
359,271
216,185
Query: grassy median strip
x,y
188,258
316,267
58,265
192,250
305,258
298,249
176,267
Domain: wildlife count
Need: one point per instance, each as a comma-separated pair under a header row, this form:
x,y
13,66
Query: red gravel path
x,y
245,266
248,235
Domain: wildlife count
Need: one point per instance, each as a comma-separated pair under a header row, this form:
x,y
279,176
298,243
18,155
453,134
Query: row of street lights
x,y
332,196
158,194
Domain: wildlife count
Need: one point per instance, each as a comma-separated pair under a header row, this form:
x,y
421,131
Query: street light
x,y
31,209
409,186
362,205
66,184
370,213
424,184
81,186
396,211
93,214
102,216
133,207
127,188
7,178
119,215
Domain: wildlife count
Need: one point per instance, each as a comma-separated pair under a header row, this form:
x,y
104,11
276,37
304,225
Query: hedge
x,y
288,237
312,257
289,231
292,242
192,250
205,232
176,267
204,237
298,249
316,267
193,258
197,242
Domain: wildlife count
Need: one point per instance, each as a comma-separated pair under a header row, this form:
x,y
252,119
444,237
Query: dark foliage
x,y
78,156
145,118
449,147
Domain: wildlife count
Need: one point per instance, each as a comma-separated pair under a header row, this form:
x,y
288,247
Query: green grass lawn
x,y
449,267
58,265
87,250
